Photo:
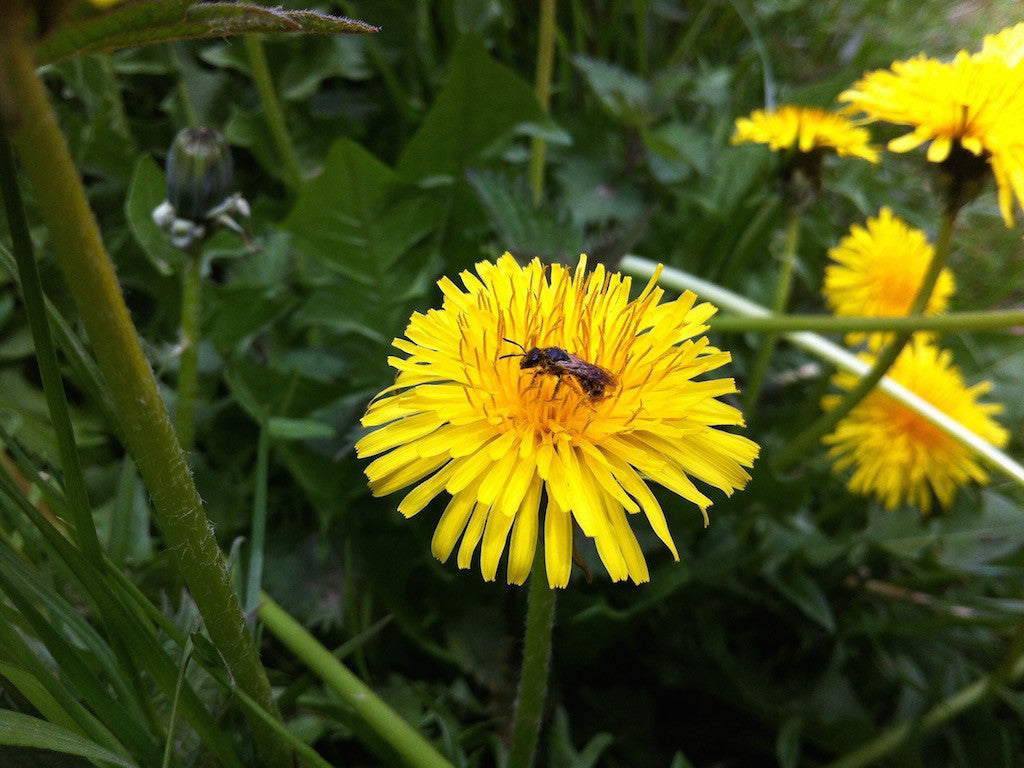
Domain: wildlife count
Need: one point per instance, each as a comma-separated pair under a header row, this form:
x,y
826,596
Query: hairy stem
x,y
148,433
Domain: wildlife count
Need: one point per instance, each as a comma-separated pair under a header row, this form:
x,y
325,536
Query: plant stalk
x,y
384,721
272,112
953,322
545,68
148,433
533,678
188,363
783,286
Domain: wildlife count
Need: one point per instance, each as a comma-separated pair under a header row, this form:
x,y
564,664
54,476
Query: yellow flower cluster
x,y
896,454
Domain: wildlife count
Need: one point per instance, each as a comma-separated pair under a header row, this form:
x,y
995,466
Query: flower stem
x,y
783,285
188,364
384,721
46,355
810,436
148,433
533,678
545,67
954,322
272,111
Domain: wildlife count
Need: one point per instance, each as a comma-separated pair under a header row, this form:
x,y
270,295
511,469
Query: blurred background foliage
x,y
796,626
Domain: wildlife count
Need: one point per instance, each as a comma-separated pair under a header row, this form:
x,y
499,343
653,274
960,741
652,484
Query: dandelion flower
x,y
467,418
805,129
970,112
878,271
1008,45
896,454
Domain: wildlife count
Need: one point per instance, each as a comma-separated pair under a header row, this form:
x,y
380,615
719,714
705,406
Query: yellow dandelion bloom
x,y
897,455
806,129
505,428
878,270
1008,45
972,102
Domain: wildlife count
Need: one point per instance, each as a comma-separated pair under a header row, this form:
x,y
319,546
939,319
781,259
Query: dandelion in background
x,y
467,418
878,271
805,129
804,135
969,111
896,454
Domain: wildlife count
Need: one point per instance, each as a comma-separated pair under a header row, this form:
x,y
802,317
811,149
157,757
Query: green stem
x,y
148,433
188,364
46,355
783,285
545,67
533,678
258,533
272,111
383,720
810,436
891,738
954,322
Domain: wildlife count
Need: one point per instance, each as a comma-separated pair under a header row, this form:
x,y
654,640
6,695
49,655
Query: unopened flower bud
x,y
199,173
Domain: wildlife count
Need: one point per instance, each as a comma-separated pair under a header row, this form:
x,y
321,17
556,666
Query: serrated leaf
x,y
361,220
482,102
522,228
624,95
158,21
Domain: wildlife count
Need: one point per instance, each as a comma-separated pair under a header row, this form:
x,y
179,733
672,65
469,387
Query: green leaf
x,y
482,103
804,592
145,192
522,228
19,730
158,21
624,95
364,223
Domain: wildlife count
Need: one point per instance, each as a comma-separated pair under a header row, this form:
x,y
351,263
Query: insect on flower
x,y
593,379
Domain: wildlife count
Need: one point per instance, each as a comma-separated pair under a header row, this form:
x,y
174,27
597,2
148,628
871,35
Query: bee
x,y
592,379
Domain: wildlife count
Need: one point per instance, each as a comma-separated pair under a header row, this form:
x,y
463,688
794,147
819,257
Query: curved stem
x,y
827,421
46,355
188,363
272,111
954,322
533,678
783,285
545,67
384,721
148,433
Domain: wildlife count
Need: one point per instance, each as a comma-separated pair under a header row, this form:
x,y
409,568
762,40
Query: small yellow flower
x,y
897,455
469,415
878,272
972,102
805,129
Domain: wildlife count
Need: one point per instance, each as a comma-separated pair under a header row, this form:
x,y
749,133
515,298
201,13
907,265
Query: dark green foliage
x,y
795,627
